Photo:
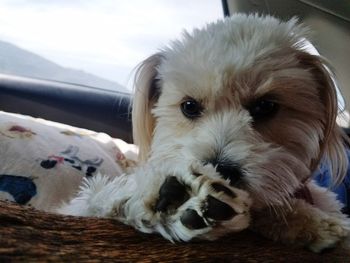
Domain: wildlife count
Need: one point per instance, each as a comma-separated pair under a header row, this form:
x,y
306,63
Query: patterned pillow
x,y
42,163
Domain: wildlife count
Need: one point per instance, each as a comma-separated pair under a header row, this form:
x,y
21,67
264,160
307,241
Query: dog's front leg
x,y
180,204
100,196
318,226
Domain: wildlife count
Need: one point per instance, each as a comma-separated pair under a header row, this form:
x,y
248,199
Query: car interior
x,y
109,111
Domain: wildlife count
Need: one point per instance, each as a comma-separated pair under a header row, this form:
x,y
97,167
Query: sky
x,y
105,37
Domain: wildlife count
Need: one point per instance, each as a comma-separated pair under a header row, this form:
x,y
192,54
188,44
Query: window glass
x,y
92,42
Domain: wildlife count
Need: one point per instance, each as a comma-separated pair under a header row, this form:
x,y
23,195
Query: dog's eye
x,y
191,108
263,108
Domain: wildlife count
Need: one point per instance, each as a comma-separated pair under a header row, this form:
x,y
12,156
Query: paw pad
x,y
220,188
205,211
192,220
217,210
172,194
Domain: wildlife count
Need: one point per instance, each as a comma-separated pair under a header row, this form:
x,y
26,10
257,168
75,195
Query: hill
x,y
17,61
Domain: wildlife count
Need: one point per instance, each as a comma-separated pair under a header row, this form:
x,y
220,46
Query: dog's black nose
x,y
228,170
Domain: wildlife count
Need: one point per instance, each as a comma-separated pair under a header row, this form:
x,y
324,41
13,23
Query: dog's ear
x,y
146,94
332,145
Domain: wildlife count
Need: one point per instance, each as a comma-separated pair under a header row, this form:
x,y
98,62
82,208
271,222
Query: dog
x,y
231,122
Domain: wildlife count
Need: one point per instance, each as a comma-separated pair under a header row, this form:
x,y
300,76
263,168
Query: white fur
x,y
225,66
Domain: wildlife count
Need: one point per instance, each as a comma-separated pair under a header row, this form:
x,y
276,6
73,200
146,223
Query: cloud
x,y
114,34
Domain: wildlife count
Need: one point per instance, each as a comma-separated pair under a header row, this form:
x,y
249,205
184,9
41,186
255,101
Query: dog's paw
x,y
304,225
329,233
197,205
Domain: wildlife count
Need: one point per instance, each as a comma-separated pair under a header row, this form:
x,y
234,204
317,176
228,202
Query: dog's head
x,y
245,96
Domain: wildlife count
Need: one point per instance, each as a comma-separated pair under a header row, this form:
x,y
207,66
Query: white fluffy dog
x,y
231,121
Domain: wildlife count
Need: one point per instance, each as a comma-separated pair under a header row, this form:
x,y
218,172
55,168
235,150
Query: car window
x,y
92,42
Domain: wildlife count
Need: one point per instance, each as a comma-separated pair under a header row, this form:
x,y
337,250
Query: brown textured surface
x,y
27,235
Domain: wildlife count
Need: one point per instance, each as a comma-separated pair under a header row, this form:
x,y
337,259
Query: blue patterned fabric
x,y
22,189
323,178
